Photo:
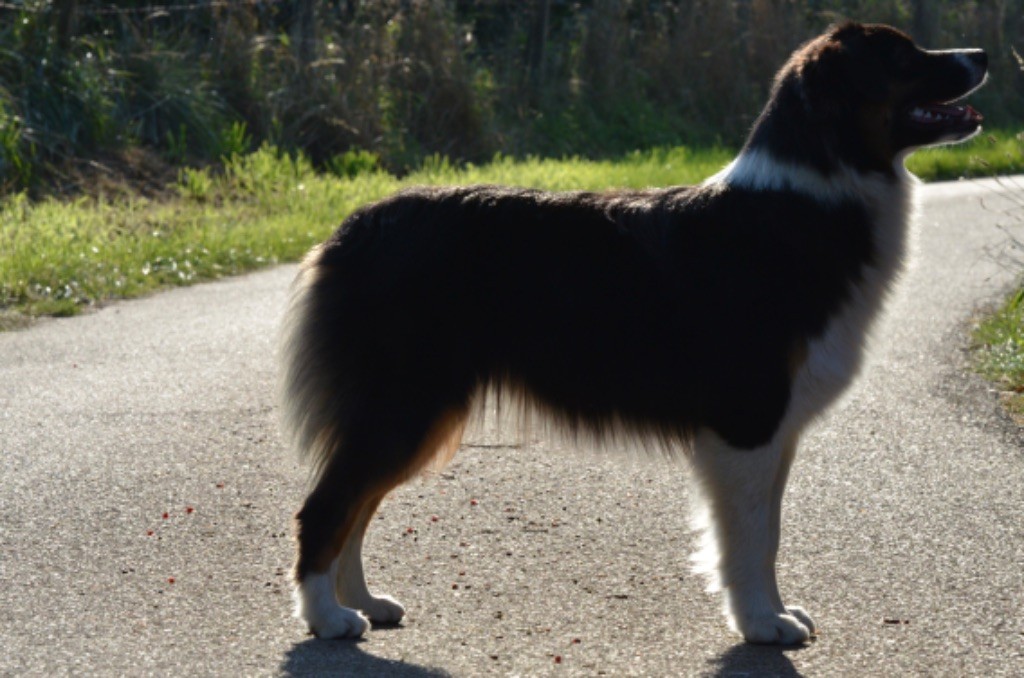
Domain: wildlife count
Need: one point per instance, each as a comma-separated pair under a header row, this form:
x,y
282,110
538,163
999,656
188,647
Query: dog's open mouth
x,y
947,117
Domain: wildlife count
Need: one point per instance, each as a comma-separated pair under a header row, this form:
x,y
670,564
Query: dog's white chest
x,y
834,358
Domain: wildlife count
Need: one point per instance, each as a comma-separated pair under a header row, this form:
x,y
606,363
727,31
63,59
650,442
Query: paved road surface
x,y
145,505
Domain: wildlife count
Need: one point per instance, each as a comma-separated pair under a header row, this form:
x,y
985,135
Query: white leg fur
x,y
742,491
350,584
317,605
319,595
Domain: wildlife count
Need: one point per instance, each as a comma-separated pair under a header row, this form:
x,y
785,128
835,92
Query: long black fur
x,y
596,304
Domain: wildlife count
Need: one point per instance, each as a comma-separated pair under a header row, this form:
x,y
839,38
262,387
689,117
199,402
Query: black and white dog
x,y
719,318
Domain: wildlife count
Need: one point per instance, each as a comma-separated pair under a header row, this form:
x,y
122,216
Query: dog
x,y
716,319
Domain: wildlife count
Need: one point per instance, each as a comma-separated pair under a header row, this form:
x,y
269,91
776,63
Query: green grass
x,y
58,257
1000,351
991,153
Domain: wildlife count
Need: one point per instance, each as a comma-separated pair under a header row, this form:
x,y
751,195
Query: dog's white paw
x,y
316,605
774,629
383,610
804,618
338,622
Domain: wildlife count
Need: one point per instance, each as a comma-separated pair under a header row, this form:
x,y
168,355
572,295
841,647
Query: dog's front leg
x,y
741,513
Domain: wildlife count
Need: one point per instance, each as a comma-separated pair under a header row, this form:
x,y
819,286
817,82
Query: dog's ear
x,y
864,68
819,79
838,71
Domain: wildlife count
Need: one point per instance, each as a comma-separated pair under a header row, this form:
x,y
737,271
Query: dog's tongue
x,y
974,115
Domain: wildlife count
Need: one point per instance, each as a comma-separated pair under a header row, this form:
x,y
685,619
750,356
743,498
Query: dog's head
x,y
880,94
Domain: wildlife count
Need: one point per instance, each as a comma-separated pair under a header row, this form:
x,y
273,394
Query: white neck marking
x,y
759,170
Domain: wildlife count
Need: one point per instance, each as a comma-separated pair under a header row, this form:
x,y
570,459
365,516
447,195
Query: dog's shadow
x,y
756,660
314,657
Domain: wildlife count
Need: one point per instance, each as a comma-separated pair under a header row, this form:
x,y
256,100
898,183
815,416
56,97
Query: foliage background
x,y
90,88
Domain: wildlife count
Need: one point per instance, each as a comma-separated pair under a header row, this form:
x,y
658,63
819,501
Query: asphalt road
x,y
146,503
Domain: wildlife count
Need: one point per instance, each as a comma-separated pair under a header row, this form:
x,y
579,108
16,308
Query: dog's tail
x,y
312,408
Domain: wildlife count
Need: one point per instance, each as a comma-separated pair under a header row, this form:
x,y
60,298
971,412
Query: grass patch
x,y
991,153
1000,351
58,257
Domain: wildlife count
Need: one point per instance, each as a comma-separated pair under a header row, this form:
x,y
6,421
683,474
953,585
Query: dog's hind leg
x,y
350,582
742,491
378,454
327,522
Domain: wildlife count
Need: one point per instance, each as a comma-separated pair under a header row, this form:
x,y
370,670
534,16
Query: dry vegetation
x,y
84,83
